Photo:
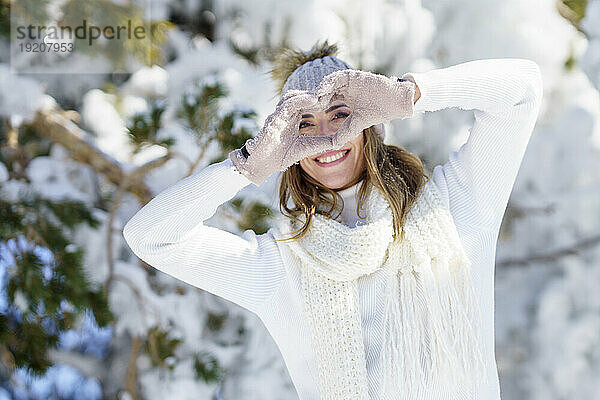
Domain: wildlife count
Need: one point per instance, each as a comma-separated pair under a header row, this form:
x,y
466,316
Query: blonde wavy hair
x,y
397,173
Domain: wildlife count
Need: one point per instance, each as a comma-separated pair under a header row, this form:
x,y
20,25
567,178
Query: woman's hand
x,y
373,99
279,144
417,93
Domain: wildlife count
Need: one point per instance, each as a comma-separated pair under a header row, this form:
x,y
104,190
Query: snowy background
x,y
548,254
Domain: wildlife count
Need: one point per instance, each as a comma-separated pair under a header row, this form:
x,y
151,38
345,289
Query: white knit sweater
x,y
249,270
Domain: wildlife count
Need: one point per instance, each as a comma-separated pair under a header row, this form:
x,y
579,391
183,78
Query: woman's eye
x,y
341,114
304,125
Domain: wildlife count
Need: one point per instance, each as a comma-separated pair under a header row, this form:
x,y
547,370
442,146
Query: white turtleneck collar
x,y
348,216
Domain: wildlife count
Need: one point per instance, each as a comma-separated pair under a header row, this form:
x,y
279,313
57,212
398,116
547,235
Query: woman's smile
x,y
331,158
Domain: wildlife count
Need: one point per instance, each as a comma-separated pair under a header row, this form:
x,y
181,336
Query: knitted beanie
x,y
309,75
314,65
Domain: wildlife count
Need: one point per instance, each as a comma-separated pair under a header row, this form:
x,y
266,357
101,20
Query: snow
x,y
246,84
60,180
136,310
19,108
61,381
3,173
101,117
569,310
590,61
147,82
547,312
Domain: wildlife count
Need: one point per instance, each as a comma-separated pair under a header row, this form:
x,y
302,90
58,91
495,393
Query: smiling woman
x,y
400,306
315,183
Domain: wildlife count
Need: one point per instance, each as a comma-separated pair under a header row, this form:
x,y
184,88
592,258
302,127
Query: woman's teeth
x,y
332,158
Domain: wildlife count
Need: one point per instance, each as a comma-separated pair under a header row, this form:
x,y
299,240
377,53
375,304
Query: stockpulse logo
x,y
85,31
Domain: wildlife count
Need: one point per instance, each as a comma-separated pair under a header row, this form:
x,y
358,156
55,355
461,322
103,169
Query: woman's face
x,y
335,168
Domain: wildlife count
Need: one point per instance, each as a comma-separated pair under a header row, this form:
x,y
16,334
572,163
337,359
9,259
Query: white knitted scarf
x,y
431,323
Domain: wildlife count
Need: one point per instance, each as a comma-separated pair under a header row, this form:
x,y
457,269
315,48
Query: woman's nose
x,y
326,129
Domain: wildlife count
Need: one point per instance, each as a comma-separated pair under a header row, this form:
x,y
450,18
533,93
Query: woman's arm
x,y
169,234
505,95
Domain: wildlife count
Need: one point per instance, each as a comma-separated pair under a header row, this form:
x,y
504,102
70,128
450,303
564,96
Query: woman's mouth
x,y
331,158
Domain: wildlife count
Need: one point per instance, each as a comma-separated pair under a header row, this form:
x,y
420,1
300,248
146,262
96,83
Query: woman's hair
x,y
397,173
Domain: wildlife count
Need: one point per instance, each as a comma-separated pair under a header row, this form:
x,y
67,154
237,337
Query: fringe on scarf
x,y
432,324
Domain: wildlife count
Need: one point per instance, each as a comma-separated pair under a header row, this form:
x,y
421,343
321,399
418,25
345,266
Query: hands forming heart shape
x,y
373,99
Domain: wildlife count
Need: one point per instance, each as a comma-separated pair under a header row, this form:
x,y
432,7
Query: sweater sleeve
x,y
169,234
505,95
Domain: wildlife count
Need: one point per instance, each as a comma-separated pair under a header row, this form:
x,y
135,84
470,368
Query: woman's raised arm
x,y
505,94
169,234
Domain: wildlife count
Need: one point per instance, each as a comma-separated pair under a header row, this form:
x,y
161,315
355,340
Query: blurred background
x,y
81,317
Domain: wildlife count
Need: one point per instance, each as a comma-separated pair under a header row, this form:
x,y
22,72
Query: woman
x,y
378,281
